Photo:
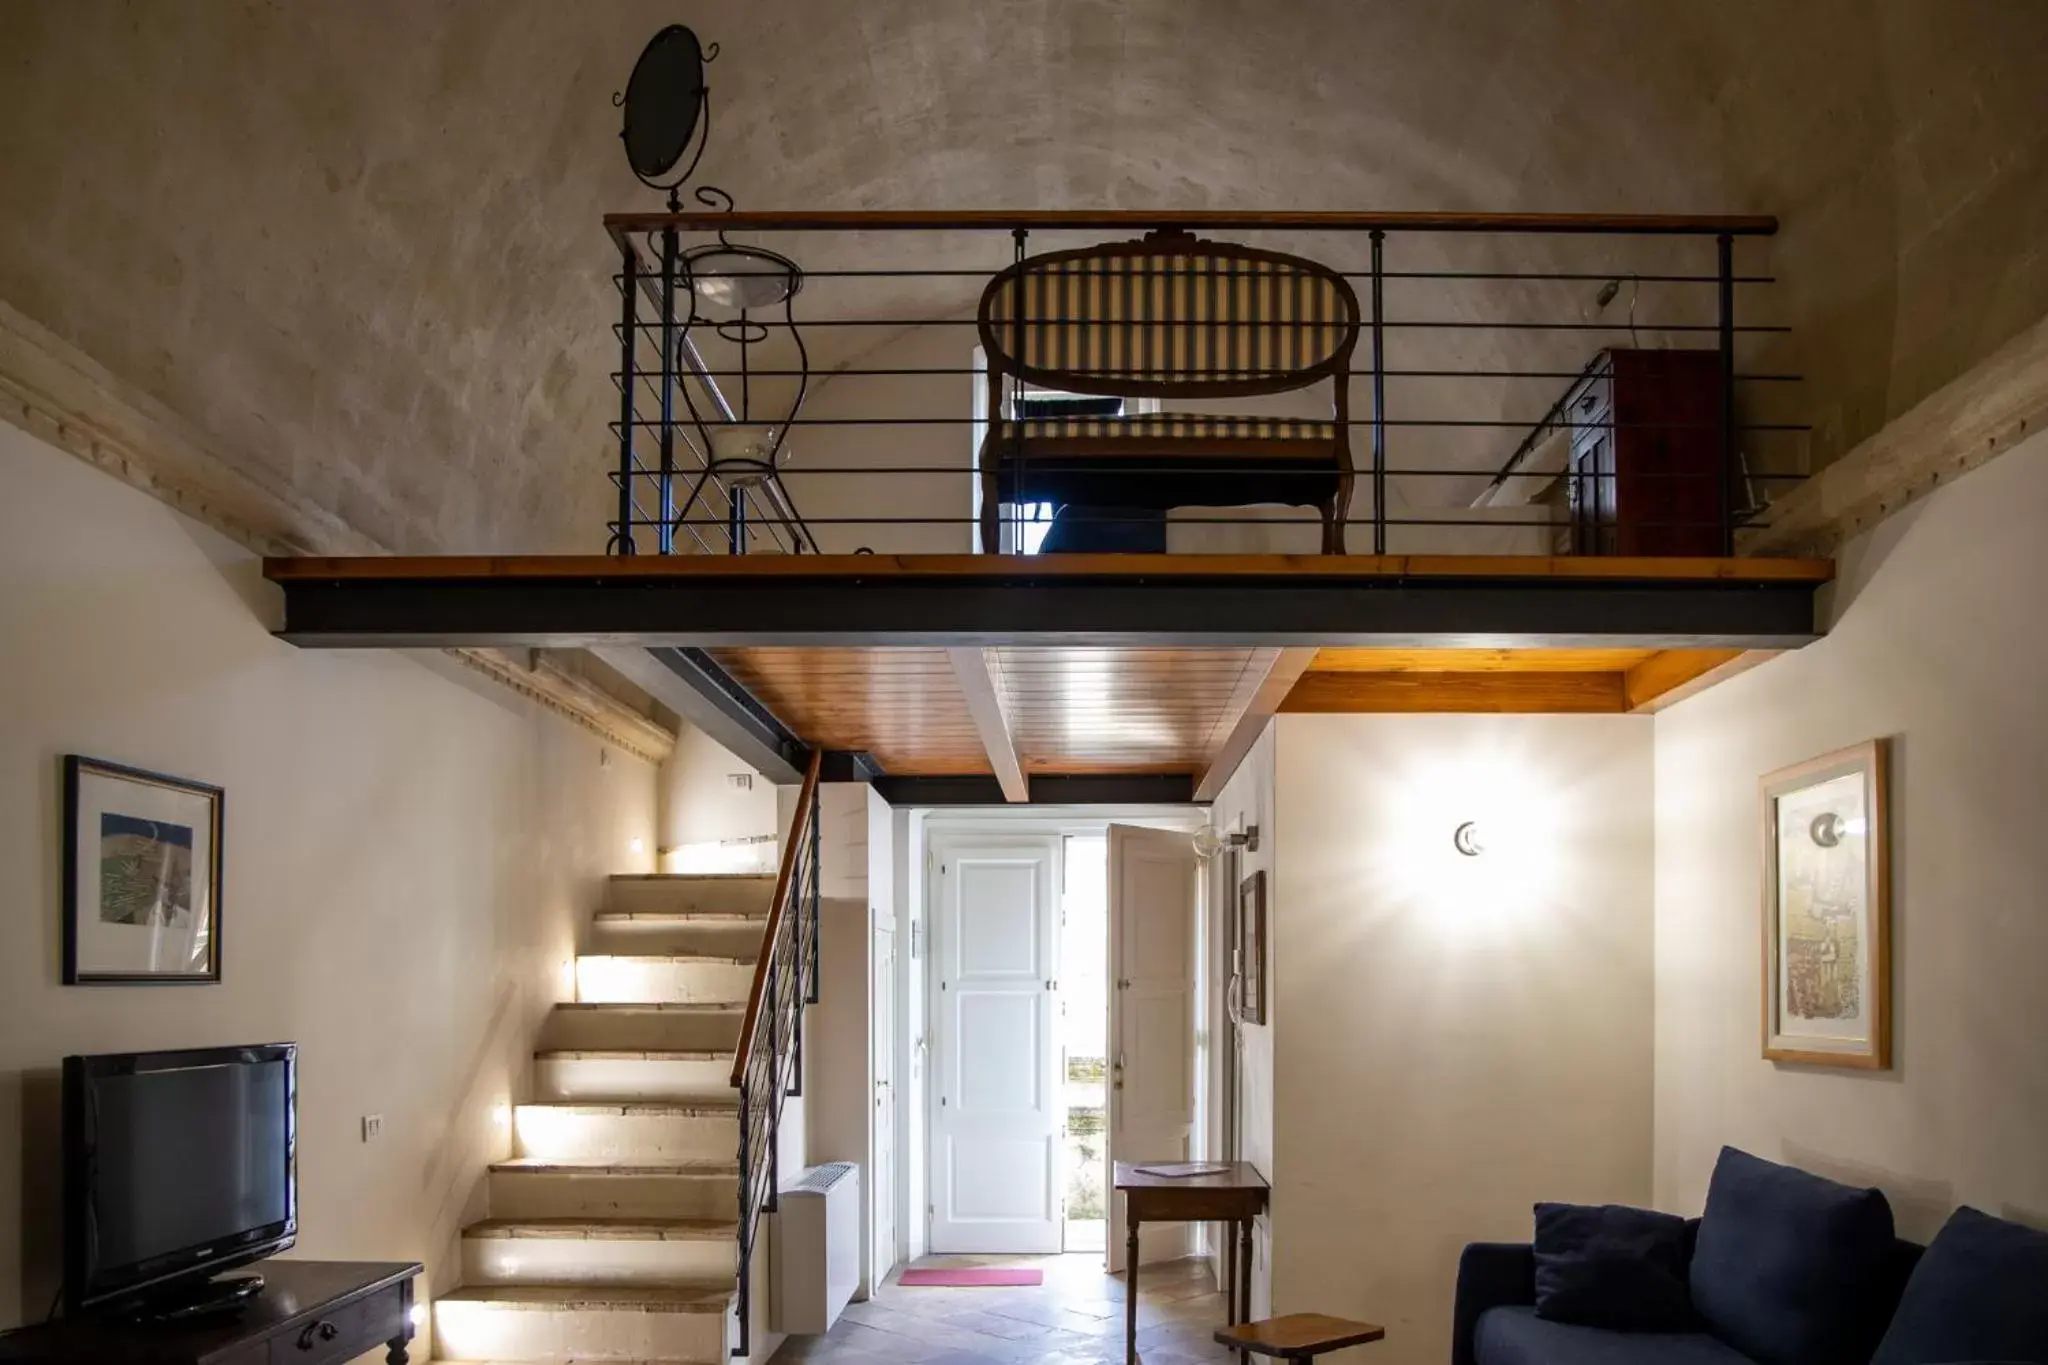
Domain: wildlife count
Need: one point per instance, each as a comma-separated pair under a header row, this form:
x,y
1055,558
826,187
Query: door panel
x,y
1152,912
996,1125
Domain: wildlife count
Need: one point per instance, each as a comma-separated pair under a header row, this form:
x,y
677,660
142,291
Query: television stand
x,y
308,1312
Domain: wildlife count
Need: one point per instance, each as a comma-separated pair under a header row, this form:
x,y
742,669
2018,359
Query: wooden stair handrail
x,y
785,878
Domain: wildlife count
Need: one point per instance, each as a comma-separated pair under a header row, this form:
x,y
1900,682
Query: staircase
x,y
623,1227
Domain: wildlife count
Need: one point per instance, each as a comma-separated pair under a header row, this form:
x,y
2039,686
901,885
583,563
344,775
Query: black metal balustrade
x,y
768,1066
841,367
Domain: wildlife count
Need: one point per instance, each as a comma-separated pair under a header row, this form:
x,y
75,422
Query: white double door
x,y
998,1102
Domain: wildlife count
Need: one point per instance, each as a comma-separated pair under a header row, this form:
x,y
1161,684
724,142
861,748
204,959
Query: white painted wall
x,y
1453,1038
1934,641
707,823
410,851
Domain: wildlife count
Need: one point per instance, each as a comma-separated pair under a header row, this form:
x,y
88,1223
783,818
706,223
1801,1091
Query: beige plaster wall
x,y
1934,643
409,854
1454,1038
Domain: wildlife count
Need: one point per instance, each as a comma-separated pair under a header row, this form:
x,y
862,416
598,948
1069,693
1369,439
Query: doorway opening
x,y
1084,1026
1063,1023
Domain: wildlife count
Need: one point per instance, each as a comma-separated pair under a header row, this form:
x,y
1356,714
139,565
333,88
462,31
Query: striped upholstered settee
x,y
1171,317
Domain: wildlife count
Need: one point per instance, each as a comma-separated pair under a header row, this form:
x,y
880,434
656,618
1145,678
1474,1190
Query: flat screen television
x,y
177,1166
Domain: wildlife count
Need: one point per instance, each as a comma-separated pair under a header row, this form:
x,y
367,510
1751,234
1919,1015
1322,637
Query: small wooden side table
x,y
1299,1336
1236,1195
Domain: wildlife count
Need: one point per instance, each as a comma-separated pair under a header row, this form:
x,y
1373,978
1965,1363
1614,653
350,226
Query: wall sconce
x,y
1467,841
1209,841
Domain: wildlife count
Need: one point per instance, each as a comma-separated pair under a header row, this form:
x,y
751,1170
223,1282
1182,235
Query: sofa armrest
x,y
1490,1275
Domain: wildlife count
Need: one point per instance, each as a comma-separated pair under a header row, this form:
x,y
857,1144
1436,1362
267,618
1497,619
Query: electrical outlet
x,y
741,781
373,1126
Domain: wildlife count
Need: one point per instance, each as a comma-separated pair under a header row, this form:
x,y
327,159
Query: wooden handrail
x,y
874,568
785,878
1194,220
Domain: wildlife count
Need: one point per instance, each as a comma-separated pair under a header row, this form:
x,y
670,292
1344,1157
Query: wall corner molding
x,y
1969,421
58,394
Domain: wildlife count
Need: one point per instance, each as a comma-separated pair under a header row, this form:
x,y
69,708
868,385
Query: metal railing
x,y
1453,391
768,1066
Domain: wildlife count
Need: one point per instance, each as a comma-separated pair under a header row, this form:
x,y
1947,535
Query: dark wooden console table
x,y
315,1312
1237,1195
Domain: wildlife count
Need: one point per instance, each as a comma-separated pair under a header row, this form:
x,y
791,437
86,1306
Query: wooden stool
x,y
1298,1336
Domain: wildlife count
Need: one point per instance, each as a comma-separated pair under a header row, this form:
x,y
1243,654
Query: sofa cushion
x,y
1980,1293
1516,1336
1791,1268
1608,1265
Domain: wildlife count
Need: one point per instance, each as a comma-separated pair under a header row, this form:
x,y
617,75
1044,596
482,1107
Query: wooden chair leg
x,y
1333,528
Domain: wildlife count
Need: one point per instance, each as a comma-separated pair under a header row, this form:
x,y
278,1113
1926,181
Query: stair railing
x,y
768,1066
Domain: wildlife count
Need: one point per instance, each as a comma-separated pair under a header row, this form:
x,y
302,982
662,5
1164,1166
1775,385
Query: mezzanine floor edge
x,y
1388,601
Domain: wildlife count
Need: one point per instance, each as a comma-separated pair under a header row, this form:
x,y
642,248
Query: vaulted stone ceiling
x,y
359,243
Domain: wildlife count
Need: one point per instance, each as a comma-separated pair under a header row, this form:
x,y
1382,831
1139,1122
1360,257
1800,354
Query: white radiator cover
x,y
815,1252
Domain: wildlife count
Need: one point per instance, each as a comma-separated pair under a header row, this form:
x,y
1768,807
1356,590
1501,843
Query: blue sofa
x,y
1495,1323
1784,1268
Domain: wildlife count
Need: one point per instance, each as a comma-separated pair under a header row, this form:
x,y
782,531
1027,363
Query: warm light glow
x,y
419,1315
501,1116
1517,821
638,845
741,857
544,1131
568,974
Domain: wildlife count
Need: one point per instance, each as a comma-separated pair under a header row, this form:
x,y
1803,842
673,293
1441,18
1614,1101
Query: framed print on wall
x,y
1827,911
1251,947
142,868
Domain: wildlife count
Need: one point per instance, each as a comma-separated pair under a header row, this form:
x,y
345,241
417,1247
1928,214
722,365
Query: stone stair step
x,y
633,1074
670,979
591,1027
743,894
608,1251
530,1188
627,1130
682,1325
729,936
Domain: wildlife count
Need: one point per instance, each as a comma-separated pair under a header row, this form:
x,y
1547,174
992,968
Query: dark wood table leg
x,y
1236,1313
397,1354
1244,1277
1131,1292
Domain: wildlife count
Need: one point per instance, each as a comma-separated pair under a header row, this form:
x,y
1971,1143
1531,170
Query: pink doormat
x,y
971,1279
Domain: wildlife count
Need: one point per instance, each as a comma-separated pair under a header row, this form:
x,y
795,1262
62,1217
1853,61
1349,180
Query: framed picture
x,y
1827,911
141,876
1251,947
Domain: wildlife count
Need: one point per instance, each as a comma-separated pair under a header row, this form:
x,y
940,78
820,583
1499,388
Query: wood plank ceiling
x,y
1140,710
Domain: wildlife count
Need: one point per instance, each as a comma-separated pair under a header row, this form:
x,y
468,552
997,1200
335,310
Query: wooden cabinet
x,y
309,1313
1645,475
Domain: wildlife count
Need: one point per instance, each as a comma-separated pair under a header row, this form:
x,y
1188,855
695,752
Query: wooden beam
x,y
1266,684
976,669
1479,660
1974,418
699,692
1041,568
1672,675
1485,693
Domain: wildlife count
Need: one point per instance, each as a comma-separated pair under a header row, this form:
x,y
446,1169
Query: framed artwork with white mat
x,y
142,876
